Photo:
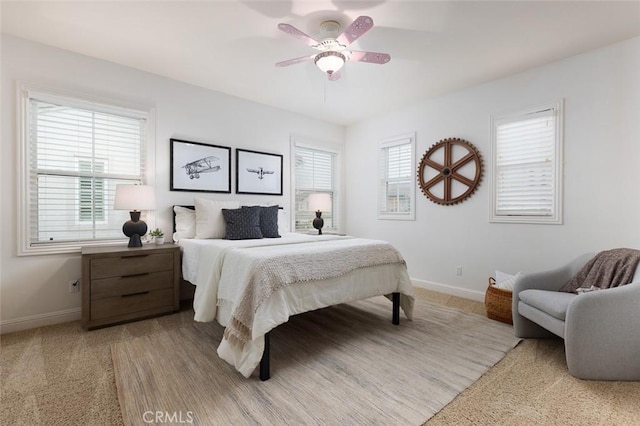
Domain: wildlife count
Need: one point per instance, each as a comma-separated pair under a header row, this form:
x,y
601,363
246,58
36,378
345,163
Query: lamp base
x,y
134,228
318,222
135,241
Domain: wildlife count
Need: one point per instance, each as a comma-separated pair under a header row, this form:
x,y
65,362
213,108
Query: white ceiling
x,y
231,46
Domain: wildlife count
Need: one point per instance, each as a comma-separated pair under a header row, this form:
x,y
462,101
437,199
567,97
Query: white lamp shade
x,y
134,197
330,61
320,202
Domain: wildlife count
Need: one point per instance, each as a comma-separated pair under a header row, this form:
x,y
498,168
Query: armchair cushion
x,y
550,302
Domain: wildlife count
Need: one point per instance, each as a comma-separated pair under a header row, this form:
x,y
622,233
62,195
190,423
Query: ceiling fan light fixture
x,y
334,52
330,61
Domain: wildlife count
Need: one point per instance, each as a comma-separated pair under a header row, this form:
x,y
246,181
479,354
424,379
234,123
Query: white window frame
x,y
403,139
297,141
556,217
26,91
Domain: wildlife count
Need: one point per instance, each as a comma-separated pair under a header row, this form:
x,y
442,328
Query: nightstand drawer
x,y
130,264
117,286
112,307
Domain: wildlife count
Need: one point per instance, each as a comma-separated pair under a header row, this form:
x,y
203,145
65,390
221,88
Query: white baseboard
x,y
34,321
449,289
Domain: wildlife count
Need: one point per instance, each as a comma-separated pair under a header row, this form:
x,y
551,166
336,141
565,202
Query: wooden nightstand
x,y
123,284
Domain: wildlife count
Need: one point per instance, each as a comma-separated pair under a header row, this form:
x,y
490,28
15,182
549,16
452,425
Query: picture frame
x,y
199,167
258,172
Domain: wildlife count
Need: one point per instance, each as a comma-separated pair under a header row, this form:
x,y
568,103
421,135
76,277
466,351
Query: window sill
x,y
65,248
532,220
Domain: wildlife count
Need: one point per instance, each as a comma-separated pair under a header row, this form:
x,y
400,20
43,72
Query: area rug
x,y
346,364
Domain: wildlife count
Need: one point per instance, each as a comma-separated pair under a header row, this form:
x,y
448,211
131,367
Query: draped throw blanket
x,y
276,271
607,269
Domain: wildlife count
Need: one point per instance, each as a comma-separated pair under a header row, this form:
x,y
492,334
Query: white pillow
x,y
185,223
502,276
283,222
209,220
506,281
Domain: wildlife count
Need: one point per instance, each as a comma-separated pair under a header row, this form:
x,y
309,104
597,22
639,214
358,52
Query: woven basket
x,y
497,302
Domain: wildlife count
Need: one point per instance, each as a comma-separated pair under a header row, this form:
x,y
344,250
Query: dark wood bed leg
x,y
395,298
264,362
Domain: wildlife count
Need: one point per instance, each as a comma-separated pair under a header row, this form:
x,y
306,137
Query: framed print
x,y
200,167
258,172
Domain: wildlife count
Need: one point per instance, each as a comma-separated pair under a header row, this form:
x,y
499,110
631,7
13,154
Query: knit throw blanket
x,y
607,269
326,260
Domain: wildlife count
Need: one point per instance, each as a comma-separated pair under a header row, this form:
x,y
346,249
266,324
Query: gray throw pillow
x,y
243,223
268,220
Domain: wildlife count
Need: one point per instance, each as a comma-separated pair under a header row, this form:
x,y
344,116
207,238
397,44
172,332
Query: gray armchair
x,y
601,329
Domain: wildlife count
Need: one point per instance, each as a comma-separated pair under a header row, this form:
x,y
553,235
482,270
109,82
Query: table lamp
x,y
134,198
319,202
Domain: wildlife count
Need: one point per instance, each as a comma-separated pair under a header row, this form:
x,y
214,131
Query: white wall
x,y
34,289
601,91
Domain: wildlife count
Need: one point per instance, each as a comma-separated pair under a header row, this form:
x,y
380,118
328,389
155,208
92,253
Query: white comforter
x,y
219,268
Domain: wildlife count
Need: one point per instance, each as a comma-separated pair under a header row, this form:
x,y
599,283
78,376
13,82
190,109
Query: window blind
x,y
396,183
525,165
314,173
76,157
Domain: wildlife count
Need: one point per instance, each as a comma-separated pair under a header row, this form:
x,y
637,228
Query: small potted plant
x,y
157,235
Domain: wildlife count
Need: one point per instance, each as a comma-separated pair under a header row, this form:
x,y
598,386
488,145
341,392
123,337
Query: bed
x,y
252,285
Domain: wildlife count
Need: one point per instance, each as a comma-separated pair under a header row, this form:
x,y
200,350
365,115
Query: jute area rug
x,y
346,364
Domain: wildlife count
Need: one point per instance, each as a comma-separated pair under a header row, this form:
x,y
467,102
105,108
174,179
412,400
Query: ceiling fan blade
x,y
295,61
294,32
334,75
361,25
372,57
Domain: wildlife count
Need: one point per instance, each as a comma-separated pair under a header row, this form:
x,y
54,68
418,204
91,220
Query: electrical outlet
x,y
74,286
459,270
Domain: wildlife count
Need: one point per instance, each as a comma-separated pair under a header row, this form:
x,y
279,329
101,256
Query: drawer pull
x,y
135,275
134,255
135,294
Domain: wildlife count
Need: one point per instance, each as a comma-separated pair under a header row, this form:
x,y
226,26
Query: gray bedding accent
x,y
607,269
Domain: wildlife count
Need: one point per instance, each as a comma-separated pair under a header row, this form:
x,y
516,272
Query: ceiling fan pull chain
x,y
324,82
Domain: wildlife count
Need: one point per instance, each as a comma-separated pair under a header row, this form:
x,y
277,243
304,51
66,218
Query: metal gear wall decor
x,y
431,171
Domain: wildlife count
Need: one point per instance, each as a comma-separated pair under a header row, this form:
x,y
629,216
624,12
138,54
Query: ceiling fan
x,y
333,51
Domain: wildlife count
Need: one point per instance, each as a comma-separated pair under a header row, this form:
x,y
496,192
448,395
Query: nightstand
x,y
122,284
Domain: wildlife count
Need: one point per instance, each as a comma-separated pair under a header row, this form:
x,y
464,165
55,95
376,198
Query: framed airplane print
x,y
200,167
258,172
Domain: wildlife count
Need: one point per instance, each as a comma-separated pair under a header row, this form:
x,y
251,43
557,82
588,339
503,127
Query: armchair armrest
x,y
553,279
602,338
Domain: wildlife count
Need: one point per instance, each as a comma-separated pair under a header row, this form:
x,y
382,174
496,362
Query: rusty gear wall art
x,y
450,171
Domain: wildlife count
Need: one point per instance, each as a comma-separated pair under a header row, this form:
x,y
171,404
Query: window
x,y
315,173
396,192
527,166
73,154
